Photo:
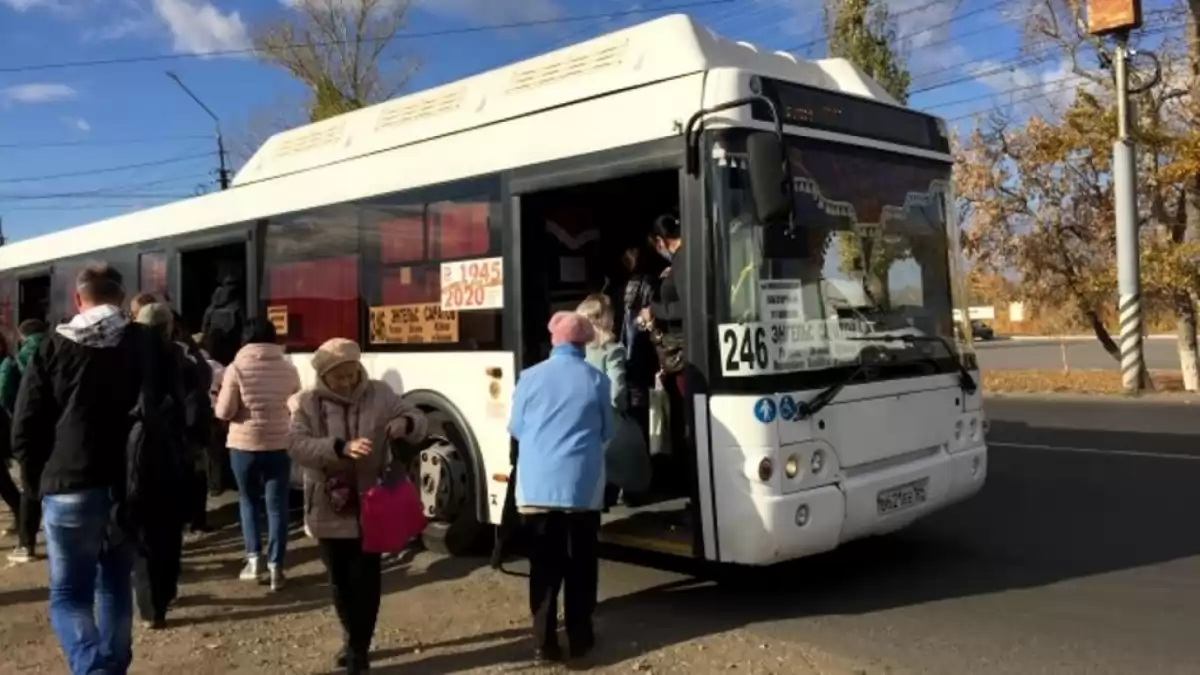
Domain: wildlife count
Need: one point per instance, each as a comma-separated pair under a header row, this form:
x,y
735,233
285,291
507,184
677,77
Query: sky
x,y
91,126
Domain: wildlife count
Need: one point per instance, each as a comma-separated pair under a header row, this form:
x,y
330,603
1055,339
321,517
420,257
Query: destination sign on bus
x,y
815,108
473,284
769,347
413,324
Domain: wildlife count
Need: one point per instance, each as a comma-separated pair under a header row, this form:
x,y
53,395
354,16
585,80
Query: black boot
x,y
358,662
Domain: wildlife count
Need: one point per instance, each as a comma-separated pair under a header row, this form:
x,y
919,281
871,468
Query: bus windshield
x,y
868,254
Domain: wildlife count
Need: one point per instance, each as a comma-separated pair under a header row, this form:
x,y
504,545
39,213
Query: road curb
x,y
1065,338
1147,399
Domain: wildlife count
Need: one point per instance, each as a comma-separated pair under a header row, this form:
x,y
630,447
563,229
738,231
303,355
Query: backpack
x,y
157,470
224,331
197,402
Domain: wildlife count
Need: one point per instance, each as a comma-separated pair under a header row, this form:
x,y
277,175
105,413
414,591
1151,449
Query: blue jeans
x,y
255,472
91,599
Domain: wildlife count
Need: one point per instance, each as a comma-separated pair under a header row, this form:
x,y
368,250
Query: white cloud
x,y
141,25
496,11
1036,86
476,11
199,27
25,5
37,92
77,123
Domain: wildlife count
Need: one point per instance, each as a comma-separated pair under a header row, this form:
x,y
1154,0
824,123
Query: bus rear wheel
x,y
444,473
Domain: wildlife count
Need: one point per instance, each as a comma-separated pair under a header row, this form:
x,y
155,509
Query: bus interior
x,y
201,271
34,298
577,238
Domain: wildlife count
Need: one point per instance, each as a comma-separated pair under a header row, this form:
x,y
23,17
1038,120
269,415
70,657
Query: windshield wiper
x,y
965,381
806,409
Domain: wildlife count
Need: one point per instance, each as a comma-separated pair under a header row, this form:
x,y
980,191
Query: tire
x,y
465,535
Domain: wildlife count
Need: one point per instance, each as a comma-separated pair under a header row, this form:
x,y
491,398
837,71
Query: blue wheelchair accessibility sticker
x,y
787,408
764,410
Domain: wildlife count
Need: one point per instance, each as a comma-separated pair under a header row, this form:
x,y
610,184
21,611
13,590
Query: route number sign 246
x,y
473,284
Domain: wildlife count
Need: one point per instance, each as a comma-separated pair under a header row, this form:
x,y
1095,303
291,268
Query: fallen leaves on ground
x,y
1072,382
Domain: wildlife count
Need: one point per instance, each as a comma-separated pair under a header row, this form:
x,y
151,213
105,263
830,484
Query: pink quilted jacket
x,y
254,398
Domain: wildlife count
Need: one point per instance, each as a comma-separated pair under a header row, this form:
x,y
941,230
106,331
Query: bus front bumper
x,y
771,529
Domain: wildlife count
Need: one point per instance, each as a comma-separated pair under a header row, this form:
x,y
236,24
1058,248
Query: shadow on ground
x,y
1043,518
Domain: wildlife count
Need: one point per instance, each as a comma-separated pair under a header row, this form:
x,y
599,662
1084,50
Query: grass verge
x,y
1073,382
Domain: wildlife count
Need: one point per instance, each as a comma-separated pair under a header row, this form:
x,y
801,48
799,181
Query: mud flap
x,y
510,520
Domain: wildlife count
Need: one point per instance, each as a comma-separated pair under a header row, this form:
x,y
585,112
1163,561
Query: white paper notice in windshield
x,y
764,348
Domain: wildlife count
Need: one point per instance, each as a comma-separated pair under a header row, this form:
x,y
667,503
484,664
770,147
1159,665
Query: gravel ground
x,y
439,615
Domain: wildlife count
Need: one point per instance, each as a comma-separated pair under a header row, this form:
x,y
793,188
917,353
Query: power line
x,y
86,207
1024,99
112,190
101,142
149,58
906,36
1004,65
1035,85
111,169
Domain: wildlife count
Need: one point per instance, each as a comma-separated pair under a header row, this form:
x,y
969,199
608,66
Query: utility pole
x,y
1118,18
222,171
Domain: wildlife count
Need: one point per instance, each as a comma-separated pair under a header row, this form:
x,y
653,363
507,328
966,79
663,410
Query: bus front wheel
x,y
443,472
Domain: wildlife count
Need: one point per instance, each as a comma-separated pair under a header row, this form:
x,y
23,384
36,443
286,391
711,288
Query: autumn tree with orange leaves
x,y
1037,195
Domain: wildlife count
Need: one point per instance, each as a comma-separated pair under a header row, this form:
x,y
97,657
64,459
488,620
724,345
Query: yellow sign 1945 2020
x,y
413,324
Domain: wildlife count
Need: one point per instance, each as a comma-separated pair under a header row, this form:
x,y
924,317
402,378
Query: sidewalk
x,y
439,616
1072,338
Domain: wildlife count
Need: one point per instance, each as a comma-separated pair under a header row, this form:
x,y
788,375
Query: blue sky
x,y
83,142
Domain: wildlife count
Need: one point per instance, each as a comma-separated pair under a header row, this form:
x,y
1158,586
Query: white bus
x,y
826,397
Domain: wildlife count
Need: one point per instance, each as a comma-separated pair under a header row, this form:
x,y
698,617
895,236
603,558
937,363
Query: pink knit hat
x,y
570,328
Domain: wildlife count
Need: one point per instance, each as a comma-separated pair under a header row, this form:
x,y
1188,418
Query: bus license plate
x,y
902,496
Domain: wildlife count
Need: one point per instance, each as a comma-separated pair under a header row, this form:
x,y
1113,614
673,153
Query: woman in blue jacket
x,y
561,418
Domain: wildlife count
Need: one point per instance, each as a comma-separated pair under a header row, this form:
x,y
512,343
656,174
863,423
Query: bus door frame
x,y
659,155
245,234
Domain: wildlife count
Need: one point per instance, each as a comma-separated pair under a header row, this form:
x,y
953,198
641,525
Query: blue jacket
x,y
562,417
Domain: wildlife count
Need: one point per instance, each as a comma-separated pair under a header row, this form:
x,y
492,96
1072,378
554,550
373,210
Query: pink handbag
x,y
391,515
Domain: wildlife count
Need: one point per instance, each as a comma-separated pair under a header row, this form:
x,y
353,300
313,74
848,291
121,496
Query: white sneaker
x,y
21,555
277,577
253,571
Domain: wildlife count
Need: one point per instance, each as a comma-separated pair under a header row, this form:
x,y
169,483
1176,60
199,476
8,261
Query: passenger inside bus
x,y
616,239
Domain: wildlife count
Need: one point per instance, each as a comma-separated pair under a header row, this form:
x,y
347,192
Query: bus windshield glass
x,y
867,254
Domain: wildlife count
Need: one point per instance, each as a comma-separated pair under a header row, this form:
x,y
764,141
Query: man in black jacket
x,y
71,428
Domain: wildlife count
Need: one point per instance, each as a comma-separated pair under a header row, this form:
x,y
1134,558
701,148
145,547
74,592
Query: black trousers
x,y
563,555
156,571
357,581
26,508
9,492
29,519
198,506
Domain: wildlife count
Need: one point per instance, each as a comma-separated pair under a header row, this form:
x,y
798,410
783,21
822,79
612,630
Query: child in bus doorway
x,y
339,435
562,417
626,459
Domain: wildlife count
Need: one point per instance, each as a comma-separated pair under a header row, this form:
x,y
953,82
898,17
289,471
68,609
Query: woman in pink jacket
x,y
339,436
254,400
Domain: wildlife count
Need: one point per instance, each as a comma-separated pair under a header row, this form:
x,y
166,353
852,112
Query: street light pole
x,y
1129,303
223,172
1118,18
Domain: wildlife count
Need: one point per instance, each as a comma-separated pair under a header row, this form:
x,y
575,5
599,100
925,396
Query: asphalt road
x,y
1082,354
1081,555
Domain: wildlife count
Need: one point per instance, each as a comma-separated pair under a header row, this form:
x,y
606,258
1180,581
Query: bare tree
x,y
340,50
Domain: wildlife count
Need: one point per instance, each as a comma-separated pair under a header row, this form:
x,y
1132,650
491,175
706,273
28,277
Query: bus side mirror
x,y
770,180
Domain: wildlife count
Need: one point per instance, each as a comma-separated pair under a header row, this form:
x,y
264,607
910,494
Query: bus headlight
x,y
765,470
958,429
791,467
973,428
802,515
818,461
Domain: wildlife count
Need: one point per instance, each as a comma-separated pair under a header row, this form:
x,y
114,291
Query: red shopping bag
x,y
391,515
